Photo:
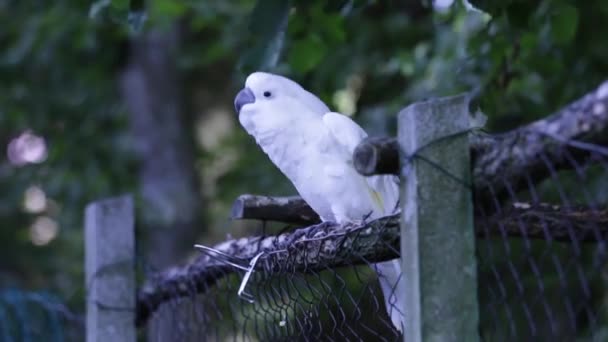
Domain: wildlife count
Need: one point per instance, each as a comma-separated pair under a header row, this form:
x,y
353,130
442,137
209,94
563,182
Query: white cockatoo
x,y
314,148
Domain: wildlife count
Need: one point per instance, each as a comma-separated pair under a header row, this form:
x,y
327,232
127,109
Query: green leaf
x,y
564,23
529,41
330,25
268,23
97,7
167,8
131,12
136,20
306,54
137,15
121,5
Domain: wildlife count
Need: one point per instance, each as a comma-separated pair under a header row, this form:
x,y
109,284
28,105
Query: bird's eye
x,y
267,94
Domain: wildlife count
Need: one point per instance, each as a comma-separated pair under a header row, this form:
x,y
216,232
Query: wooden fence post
x,y
110,270
437,237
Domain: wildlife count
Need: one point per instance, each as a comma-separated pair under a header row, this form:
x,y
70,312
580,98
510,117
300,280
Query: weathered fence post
x,y
437,237
110,270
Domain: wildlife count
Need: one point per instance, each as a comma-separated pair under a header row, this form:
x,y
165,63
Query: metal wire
x,y
541,257
37,316
536,282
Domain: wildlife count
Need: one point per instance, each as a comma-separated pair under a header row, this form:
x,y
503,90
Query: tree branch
x,y
377,156
305,250
546,222
507,159
325,246
281,209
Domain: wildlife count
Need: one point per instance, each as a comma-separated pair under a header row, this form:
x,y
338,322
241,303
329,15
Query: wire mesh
x,y
542,250
302,307
304,287
37,316
541,256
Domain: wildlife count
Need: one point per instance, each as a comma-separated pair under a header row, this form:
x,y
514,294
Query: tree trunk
x,y
170,214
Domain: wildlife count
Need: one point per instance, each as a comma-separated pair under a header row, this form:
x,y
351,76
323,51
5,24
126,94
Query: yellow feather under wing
x,y
384,193
377,200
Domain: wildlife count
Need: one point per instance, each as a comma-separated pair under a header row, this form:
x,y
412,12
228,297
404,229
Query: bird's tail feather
x,y
391,283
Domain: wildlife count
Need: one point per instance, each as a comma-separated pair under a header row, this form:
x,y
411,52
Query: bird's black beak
x,y
244,97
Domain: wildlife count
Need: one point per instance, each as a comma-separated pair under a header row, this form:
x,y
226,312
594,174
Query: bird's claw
x,y
325,225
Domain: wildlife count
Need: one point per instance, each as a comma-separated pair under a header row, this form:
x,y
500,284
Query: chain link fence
x,y
540,199
542,251
541,217
37,316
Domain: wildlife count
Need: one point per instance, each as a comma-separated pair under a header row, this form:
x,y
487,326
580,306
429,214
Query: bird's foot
x,y
324,225
311,231
365,219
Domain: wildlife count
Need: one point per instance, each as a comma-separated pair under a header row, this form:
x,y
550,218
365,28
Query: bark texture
x,y
327,246
171,205
502,162
291,209
573,133
168,182
305,250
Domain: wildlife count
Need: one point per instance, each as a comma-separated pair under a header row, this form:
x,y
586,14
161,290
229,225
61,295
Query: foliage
x,y
59,62
56,75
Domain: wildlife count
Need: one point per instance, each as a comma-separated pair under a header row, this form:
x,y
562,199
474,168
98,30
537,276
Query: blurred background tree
x,y
116,96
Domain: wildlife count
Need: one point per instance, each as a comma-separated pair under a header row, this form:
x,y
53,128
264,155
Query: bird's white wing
x,y
384,191
347,133
344,130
